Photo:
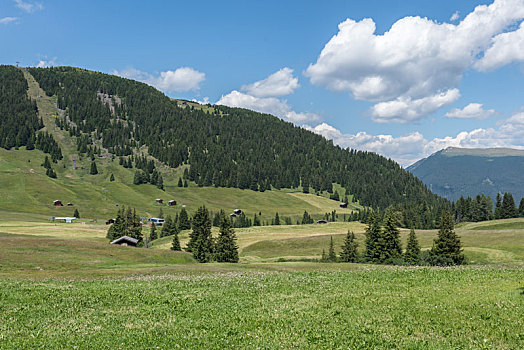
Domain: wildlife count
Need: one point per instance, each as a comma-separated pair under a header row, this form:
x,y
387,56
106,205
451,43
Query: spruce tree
x,y
167,227
277,219
446,248
226,248
373,234
331,252
93,170
152,234
176,242
185,183
389,244
521,207
412,255
349,249
180,182
508,209
112,177
498,206
76,214
200,240
183,220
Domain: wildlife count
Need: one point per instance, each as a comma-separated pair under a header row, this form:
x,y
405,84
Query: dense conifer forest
x,y
225,147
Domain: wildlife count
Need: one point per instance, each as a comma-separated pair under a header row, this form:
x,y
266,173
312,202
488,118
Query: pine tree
x,y
508,209
349,249
373,234
200,240
152,234
167,227
112,177
176,242
412,255
226,248
498,206
277,219
183,220
331,252
521,207
180,182
389,245
185,183
446,248
76,214
93,170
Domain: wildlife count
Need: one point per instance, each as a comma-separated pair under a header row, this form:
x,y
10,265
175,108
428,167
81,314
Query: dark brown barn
x,y
171,203
57,203
343,205
69,204
159,200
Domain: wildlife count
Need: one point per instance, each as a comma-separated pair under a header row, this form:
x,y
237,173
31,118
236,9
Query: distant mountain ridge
x,y
454,172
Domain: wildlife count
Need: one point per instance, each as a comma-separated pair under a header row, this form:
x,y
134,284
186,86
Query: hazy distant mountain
x,y
455,172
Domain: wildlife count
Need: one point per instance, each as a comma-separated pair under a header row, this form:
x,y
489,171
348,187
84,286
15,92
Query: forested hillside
x,y
224,147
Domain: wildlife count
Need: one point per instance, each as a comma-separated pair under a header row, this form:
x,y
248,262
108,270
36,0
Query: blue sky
x,y
401,78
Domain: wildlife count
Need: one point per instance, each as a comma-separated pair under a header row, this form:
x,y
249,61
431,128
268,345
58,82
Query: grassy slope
x,y
23,191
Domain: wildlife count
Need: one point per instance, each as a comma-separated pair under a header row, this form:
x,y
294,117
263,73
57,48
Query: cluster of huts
x,y
58,203
171,203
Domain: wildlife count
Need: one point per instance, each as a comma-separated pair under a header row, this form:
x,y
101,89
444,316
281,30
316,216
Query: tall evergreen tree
x,y
349,249
446,248
331,252
76,214
152,234
389,246
373,233
200,240
112,177
276,221
93,170
508,209
498,206
176,242
226,247
412,255
183,220
180,182
521,207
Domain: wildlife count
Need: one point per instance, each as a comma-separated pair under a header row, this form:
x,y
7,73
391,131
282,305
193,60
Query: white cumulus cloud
x,y
454,16
471,111
46,63
269,105
405,109
29,6
415,59
409,148
280,83
506,48
7,20
181,79
263,96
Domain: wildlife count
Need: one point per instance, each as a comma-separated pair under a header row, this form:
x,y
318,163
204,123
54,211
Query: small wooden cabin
x,y
159,201
237,211
110,221
171,203
126,241
343,205
69,204
57,203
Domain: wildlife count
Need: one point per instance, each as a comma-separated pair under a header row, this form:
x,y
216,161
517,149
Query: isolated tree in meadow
x,y
76,214
373,234
331,252
152,234
180,182
112,177
183,220
93,170
200,240
349,249
508,209
185,183
226,249
412,255
446,248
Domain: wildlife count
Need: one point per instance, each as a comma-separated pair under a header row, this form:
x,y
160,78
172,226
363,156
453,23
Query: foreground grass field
x,y
367,307
63,286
